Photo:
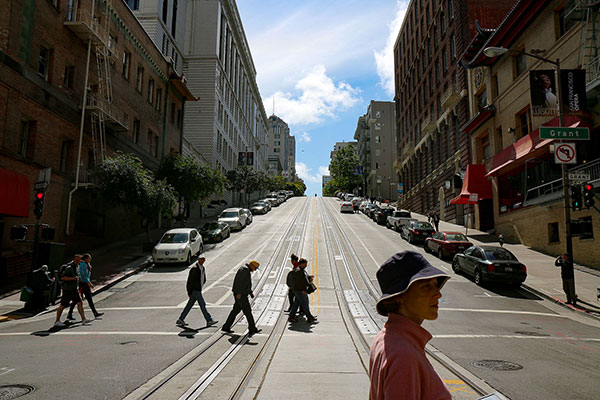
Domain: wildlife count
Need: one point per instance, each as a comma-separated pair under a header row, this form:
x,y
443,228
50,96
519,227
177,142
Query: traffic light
x,y
48,233
38,203
576,201
588,195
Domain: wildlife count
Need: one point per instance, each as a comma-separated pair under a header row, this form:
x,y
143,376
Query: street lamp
x,y
497,51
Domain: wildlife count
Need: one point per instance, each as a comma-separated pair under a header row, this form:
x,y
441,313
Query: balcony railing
x,y
112,116
86,27
428,125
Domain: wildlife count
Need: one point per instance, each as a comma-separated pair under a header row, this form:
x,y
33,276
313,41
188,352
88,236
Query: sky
x,y
319,64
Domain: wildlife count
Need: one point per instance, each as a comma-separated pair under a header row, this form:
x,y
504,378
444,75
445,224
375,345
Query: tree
x,y
123,181
297,187
190,179
276,183
342,169
243,180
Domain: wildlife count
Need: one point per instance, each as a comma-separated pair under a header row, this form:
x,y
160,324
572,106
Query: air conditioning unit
x,y
184,79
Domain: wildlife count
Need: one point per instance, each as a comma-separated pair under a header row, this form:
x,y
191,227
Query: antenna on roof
x,y
273,104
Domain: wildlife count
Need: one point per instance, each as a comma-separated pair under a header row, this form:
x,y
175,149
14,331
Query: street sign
x,y
473,197
564,153
578,177
555,132
40,185
400,188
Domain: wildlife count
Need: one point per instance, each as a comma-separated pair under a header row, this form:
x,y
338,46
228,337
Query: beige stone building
x,y
526,182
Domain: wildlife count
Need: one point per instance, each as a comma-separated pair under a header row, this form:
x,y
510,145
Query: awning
x,y
14,194
178,83
474,182
527,147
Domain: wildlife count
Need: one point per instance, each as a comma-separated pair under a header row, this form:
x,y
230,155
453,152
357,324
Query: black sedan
x,y
380,215
490,264
215,231
417,231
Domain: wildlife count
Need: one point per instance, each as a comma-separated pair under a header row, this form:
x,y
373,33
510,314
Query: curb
x,y
560,302
145,262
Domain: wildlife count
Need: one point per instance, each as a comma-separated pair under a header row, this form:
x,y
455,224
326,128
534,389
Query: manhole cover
x,y
527,333
497,365
8,392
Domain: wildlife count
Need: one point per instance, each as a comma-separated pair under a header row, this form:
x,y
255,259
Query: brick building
x,y
431,103
50,52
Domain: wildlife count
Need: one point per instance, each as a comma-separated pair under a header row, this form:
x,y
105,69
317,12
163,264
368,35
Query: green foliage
x,y
330,189
190,179
276,183
124,181
297,187
341,169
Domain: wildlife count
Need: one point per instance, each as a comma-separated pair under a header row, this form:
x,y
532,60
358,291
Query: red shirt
x,y
398,367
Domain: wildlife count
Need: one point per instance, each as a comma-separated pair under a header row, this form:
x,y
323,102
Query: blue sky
x,y
322,62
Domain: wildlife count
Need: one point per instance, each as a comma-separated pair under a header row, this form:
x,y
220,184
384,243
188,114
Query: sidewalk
x,y
111,264
543,278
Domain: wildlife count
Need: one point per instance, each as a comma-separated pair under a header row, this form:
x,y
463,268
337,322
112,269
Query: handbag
x,y
311,288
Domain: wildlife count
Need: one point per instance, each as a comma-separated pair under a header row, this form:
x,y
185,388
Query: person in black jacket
x,y
301,282
567,274
242,288
195,282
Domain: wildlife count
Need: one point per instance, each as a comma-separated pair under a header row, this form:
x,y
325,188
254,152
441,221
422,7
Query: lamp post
x,y
497,51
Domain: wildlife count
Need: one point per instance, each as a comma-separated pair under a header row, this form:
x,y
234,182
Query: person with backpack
x,y
69,280
195,283
289,280
301,285
84,272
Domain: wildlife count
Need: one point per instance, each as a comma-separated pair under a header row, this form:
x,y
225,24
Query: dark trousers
x,y
87,292
569,288
242,304
301,301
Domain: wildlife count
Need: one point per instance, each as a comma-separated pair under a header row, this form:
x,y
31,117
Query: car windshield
x,y
403,214
230,214
387,211
174,238
456,237
211,226
423,225
499,254
258,205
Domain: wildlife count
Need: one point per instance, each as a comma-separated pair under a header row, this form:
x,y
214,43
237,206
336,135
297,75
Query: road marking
x,y
564,338
107,333
503,312
5,370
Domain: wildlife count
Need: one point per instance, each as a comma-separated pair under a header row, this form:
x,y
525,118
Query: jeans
x,y
195,297
87,292
301,300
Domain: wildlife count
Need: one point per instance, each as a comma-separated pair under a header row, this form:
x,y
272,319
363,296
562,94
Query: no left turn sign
x,y
564,153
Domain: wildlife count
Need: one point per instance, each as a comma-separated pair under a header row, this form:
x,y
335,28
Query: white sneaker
x,y
59,324
86,321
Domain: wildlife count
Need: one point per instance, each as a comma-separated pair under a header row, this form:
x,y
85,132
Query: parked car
x,y
259,208
178,246
268,202
362,206
356,202
446,244
234,217
248,215
215,231
346,206
275,202
367,209
348,196
398,219
417,231
381,215
490,263
371,211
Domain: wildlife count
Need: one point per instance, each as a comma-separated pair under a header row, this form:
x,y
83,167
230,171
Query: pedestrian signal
x,y
38,203
18,232
48,233
588,195
576,200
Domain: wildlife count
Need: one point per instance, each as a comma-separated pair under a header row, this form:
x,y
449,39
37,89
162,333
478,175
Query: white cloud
x,y
304,137
317,97
304,172
384,58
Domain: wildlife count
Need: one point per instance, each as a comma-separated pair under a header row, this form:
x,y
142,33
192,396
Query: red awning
x,y
475,182
528,146
14,193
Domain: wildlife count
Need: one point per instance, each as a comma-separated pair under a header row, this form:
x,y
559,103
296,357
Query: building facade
x,y
338,146
50,53
376,137
283,146
526,181
229,116
431,100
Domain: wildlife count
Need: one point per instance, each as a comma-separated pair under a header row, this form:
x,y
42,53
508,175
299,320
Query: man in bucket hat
x,y
398,368
242,288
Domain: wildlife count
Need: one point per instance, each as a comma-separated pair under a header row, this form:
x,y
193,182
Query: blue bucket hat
x,y
402,269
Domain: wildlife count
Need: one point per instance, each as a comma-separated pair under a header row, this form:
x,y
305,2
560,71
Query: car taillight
x,y
523,269
416,232
491,268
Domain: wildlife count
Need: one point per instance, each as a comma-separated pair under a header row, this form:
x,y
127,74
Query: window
x,y
135,135
451,9
133,4
139,83
486,150
444,60
149,142
69,77
174,19
523,122
377,152
27,139
481,99
158,98
453,47
276,150
151,91
44,62
519,64
442,22
564,22
165,10
553,233
377,139
586,230
376,165
126,61
64,155
494,86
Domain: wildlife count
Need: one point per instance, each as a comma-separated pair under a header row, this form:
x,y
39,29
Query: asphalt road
x,y
520,344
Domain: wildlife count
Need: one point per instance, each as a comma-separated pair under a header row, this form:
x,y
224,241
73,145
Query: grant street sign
x,y
555,132
579,177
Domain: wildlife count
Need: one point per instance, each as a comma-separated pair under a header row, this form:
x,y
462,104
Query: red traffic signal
x,y
588,195
39,195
